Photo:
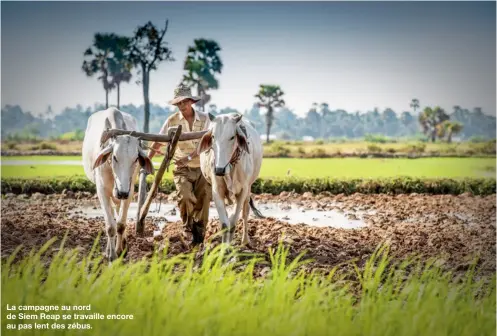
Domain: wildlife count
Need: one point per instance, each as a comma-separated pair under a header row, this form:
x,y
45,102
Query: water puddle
x,y
290,213
294,214
486,173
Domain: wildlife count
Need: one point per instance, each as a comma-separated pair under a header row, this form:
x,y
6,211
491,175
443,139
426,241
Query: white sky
x,y
354,56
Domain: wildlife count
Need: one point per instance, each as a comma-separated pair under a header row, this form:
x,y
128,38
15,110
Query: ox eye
x,y
114,158
232,137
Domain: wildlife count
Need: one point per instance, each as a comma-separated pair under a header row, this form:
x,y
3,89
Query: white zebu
x,y
113,169
230,160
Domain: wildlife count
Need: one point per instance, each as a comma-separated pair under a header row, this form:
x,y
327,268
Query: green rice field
x,y
172,297
282,167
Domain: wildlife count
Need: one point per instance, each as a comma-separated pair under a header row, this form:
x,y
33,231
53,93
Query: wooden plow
x,y
172,137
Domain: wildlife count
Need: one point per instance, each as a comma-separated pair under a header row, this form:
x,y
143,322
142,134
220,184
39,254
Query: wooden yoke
x,y
107,134
171,148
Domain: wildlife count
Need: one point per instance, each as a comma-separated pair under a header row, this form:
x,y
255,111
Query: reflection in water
x,y
290,213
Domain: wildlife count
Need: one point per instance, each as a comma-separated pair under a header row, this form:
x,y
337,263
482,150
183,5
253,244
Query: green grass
x,y
316,168
42,171
375,168
398,185
42,158
319,148
304,149
171,297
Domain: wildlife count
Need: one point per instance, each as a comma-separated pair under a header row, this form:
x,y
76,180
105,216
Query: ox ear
x,y
211,117
241,139
107,124
205,143
103,155
145,161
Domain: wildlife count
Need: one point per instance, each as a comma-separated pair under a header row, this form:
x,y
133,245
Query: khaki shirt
x,y
185,148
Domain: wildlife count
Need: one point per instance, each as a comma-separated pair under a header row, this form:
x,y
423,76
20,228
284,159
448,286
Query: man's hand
x,y
155,149
182,162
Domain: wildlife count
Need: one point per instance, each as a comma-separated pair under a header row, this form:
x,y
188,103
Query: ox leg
x,y
117,205
121,225
223,218
123,218
245,214
110,223
240,201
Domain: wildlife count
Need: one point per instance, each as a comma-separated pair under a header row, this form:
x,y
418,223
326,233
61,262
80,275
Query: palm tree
x,y
314,121
477,110
118,77
147,49
406,118
202,62
414,104
213,109
97,61
270,97
325,109
119,65
430,120
450,128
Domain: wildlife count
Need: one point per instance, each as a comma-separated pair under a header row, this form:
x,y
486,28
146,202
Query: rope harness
x,y
237,153
236,156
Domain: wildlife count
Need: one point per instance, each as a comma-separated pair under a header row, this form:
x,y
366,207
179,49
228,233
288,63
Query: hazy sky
x,y
352,55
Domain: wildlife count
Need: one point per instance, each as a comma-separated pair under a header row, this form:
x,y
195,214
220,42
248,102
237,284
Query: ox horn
x,y
237,117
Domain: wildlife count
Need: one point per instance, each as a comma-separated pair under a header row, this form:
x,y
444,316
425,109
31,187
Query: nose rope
x,y
235,156
237,152
109,162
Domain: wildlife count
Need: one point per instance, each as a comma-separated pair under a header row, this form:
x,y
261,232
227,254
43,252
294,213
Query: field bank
x,y
280,167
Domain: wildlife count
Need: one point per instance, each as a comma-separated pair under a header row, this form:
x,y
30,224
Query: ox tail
x,y
256,212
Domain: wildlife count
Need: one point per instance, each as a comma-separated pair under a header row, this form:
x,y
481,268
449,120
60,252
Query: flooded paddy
x,y
330,229
286,212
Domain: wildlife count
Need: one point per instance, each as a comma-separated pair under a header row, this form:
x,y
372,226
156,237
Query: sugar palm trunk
x,y
200,91
118,84
269,122
449,136
146,100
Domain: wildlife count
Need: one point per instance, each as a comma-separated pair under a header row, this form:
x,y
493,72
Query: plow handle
x,y
143,210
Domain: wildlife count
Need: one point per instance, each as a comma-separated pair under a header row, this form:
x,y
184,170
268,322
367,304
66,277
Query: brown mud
x,y
453,228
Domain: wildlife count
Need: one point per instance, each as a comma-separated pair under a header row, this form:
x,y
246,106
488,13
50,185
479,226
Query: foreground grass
x,y
174,297
314,168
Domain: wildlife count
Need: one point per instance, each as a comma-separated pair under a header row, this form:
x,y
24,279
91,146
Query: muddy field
x,y
455,228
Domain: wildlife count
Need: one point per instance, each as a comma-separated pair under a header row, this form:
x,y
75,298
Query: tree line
x,y
320,122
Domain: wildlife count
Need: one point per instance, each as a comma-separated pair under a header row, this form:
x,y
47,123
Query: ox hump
x,y
115,119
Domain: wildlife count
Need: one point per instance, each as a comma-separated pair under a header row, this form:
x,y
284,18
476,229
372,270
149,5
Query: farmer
x,y
193,191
